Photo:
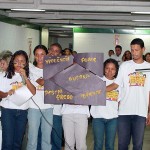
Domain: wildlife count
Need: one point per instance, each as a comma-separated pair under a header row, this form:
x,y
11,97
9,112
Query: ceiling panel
x,y
84,13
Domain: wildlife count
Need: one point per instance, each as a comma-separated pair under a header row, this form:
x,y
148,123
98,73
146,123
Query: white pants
x,y
75,130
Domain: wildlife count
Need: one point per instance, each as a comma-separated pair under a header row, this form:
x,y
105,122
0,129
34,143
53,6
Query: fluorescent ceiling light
x,y
140,12
71,26
142,20
144,28
28,9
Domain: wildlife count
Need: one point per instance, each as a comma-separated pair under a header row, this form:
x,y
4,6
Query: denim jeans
x,y
56,138
104,128
34,120
39,139
13,128
130,126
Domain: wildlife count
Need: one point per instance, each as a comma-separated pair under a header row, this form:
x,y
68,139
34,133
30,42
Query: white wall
x,y
64,42
100,42
15,38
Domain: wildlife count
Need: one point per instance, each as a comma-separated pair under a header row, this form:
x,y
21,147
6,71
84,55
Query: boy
x,y
134,105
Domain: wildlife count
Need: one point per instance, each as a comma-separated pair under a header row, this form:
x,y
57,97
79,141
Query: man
x,y
117,56
110,53
55,50
134,105
56,135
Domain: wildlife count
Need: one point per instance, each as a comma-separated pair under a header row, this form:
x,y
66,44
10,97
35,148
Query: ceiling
x,y
60,16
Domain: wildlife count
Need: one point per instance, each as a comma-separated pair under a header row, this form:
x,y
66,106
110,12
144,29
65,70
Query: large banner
x,y
74,81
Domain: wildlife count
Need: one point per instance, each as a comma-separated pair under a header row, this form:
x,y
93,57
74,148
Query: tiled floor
x,y
146,144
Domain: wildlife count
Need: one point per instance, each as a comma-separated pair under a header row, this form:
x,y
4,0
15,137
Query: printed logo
x,y
112,95
16,85
40,88
137,79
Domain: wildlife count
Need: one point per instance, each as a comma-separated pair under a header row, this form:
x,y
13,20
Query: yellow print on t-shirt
x,y
40,88
16,85
112,95
137,79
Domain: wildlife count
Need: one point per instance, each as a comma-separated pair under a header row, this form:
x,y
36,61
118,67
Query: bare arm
x,y
40,81
5,94
30,86
111,87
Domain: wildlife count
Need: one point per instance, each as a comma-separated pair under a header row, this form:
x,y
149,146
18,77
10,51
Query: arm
x,y
111,87
40,81
5,94
29,85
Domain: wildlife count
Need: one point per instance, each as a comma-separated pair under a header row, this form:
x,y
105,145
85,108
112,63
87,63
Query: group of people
x,y
117,55
127,105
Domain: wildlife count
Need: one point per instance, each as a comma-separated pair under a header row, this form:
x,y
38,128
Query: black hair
x,y
10,72
68,49
56,44
39,47
146,55
110,60
137,41
118,46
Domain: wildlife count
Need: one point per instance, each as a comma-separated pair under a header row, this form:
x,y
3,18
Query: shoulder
x,y
126,63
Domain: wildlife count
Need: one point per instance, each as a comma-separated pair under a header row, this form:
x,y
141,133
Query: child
x,y
105,117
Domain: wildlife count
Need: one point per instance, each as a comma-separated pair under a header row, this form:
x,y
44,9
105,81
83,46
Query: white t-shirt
x,y
135,88
117,58
8,84
37,73
75,109
111,109
57,109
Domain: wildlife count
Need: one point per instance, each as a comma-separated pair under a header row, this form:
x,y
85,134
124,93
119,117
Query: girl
x,y
14,118
105,117
35,118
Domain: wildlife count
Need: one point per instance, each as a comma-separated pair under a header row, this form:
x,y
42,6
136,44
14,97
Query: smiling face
x,y
39,56
54,51
110,71
19,62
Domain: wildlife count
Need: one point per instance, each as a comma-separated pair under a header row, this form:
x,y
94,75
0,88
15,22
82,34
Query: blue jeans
x,y
35,119
104,128
130,126
13,128
39,139
56,138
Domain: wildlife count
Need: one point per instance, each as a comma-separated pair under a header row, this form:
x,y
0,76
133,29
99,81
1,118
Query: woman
x,y
5,57
147,57
35,119
14,117
126,56
67,51
105,117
